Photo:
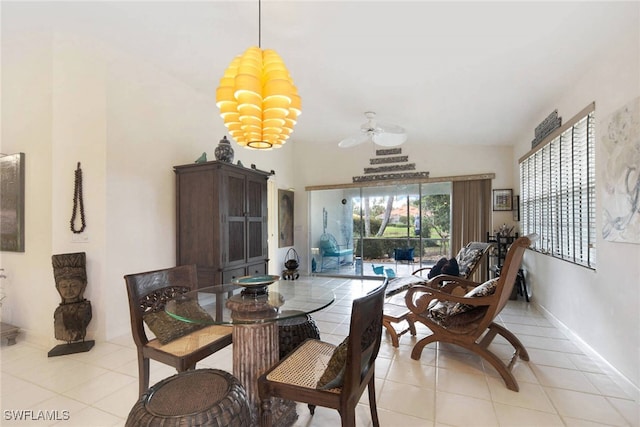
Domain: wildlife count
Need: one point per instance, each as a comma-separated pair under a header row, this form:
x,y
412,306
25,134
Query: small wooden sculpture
x,y
74,312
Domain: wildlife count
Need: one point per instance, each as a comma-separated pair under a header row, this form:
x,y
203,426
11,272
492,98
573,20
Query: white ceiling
x,y
449,72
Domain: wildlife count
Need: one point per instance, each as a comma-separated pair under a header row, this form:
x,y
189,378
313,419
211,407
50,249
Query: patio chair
x,y
331,252
469,320
403,254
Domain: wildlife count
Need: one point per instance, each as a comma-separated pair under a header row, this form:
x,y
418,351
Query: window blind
x,y
557,184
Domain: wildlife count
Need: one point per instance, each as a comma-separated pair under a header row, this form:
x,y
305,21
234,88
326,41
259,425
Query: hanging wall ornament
x,y
78,203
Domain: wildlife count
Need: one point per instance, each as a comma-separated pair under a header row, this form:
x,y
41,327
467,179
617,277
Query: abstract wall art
x,y
620,136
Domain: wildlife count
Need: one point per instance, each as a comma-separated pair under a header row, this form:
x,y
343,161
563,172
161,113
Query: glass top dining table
x,y
237,304
253,313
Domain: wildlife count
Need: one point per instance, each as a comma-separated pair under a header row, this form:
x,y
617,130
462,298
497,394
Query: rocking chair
x,y
469,321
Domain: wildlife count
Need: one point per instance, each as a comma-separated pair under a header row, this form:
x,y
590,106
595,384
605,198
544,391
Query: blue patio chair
x,y
331,252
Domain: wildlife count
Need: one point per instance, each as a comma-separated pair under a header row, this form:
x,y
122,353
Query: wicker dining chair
x,y
184,344
322,374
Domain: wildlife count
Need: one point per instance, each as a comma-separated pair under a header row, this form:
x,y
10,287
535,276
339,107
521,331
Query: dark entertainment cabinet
x,y
221,220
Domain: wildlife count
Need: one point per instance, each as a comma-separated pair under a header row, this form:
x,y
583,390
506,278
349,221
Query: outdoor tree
x,y
438,213
386,216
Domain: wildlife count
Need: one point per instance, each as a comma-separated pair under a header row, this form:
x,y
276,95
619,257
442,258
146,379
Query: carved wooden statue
x,y
74,312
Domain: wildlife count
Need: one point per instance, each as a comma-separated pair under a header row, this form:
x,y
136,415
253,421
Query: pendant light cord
x,y
260,24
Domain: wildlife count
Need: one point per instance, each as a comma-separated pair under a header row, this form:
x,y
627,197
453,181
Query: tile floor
x,y
560,386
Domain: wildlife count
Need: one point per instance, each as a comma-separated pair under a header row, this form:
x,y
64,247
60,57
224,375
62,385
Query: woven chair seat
x,y
292,332
201,397
305,365
193,341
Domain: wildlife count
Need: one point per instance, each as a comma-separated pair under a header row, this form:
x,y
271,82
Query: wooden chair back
x,y
149,292
509,271
365,335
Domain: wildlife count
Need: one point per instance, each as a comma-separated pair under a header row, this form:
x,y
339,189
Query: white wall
x,y
601,307
27,116
67,98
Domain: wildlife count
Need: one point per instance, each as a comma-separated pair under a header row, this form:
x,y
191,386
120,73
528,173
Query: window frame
x,y
558,191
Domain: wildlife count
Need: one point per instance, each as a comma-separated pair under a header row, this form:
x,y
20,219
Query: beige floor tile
x,y
99,349
100,387
407,399
124,340
460,360
326,316
574,422
569,379
586,363
459,382
428,357
606,386
584,406
129,368
395,419
550,358
60,407
21,394
629,409
120,402
72,376
412,372
464,411
382,366
555,344
91,417
530,396
117,358
515,416
534,330
325,417
9,353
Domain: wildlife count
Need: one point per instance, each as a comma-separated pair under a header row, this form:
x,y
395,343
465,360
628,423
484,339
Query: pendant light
x,y
257,98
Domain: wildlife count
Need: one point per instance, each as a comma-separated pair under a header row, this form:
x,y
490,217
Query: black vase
x,y
224,151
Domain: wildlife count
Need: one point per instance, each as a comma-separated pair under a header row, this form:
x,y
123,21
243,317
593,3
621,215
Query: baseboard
x,y
621,380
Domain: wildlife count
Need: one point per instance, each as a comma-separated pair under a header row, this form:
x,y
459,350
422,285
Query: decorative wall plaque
x,y
12,202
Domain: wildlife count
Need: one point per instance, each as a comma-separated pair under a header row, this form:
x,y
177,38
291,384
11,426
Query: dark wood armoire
x,y
221,220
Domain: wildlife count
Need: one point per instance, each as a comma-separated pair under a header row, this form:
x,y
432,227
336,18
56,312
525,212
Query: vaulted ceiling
x,y
449,72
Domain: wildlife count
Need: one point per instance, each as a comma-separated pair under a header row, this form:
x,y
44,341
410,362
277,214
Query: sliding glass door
x,y
382,230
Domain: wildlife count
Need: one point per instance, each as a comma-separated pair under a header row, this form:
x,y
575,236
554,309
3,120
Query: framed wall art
x,y
285,218
12,202
503,200
516,208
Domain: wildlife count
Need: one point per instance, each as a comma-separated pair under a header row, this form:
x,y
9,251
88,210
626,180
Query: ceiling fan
x,y
384,134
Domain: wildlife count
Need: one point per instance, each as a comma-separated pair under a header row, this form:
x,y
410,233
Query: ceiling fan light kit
x,y
258,101
385,135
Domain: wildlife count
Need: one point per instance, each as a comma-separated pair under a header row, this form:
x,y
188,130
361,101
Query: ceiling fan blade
x,y
389,128
352,141
389,139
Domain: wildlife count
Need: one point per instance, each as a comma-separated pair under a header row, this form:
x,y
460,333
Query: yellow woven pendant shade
x,y
258,101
